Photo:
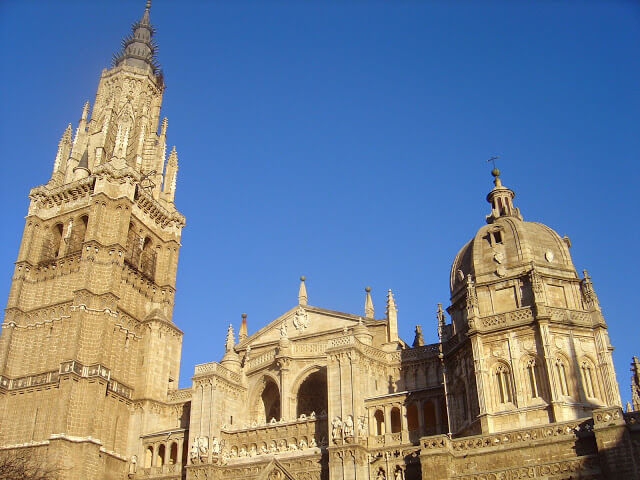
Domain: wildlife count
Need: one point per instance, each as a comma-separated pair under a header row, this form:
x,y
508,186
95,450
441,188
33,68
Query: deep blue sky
x,y
347,141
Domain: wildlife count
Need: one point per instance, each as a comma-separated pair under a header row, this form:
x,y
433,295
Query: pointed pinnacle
x,y
302,292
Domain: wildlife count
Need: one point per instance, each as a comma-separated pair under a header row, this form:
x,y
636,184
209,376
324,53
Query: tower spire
x,y
138,48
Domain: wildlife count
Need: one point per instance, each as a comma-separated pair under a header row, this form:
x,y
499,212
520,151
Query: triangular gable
x,y
275,471
317,321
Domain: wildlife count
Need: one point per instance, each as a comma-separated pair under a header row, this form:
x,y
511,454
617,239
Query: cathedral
x,y
520,384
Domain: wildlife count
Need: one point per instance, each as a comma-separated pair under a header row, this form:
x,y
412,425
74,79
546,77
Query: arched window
x,y
532,376
412,418
78,232
271,401
160,456
502,377
148,457
587,373
312,394
429,415
51,243
173,456
379,422
561,373
148,259
396,423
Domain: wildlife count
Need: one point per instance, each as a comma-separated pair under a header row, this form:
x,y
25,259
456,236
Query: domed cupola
x,y
508,246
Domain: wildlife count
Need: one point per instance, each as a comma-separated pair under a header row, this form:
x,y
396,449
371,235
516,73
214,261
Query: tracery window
x,y
531,373
587,372
561,373
502,377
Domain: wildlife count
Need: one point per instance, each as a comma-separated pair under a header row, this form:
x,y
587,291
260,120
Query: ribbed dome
x,y
508,246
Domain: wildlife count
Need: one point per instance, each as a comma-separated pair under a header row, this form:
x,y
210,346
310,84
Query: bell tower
x,y
88,345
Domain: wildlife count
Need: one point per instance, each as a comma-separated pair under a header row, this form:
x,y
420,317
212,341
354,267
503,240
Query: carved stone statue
x,y
302,444
283,329
215,446
203,446
312,442
381,475
398,474
348,426
362,426
193,451
133,465
336,430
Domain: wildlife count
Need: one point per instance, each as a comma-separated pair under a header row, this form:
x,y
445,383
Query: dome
x,y
508,246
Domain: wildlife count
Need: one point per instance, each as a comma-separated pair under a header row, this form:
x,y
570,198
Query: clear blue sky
x,y
347,141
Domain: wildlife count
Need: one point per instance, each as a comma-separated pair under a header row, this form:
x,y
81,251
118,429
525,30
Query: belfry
x,y
520,384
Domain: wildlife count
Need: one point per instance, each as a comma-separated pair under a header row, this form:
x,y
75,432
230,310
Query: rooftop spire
x,y
242,334
368,303
138,48
302,292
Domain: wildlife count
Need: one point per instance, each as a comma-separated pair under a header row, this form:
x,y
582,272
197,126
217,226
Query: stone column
x,y
285,404
421,427
437,407
404,424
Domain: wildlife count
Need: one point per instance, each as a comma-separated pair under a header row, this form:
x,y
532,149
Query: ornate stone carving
x,y
301,319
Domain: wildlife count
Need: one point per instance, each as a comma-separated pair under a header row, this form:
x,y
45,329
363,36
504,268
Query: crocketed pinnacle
x,y
138,48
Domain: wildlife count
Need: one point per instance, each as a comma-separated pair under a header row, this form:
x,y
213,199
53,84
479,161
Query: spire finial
x,y
368,303
418,340
148,5
230,341
495,172
302,292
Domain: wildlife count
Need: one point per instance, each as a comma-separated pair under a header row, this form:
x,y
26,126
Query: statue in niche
x,y
312,443
362,426
215,446
303,444
398,474
348,426
336,429
133,465
381,474
193,451
203,446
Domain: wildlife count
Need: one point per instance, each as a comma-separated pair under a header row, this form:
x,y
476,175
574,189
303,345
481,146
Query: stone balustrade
x,y
302,434
572,429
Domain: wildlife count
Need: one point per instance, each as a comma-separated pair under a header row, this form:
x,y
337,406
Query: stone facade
x,y
520,385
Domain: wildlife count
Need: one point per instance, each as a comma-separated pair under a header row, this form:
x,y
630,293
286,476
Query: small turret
x,y
501,200
230,360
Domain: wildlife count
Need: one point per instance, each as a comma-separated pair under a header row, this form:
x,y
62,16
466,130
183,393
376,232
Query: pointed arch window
x,y
561,373
502,377
531,374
